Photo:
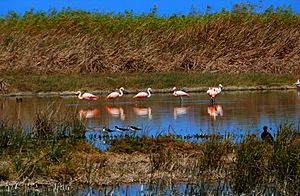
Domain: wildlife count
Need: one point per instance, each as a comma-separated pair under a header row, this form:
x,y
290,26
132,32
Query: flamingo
x,y
213,92
142,95
179,93
86,96
116,94
297,84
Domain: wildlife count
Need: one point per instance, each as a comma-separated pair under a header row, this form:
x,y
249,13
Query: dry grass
x,y
77,42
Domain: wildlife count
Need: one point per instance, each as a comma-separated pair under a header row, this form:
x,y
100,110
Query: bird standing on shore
x,y
266,135
86,96
213,92
179,93
116,94
142,95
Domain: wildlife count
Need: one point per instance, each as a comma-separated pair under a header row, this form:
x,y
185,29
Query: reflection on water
x,y
199,188
234,112
116,112
179,111
215,110
143,112
88,113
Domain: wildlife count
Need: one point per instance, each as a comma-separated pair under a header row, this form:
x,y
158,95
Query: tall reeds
x,y
70,41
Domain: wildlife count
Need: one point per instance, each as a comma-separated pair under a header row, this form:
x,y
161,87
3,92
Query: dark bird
x,y
133,128
107,130
19,99
121,129
266,135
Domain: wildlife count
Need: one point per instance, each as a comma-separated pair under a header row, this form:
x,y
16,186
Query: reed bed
x,y
71,41
55,151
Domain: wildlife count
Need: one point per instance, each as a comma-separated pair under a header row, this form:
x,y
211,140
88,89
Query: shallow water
x,y
200,188
235,113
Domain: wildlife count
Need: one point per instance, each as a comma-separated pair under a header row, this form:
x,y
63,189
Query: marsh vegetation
x,y
56,151
70,41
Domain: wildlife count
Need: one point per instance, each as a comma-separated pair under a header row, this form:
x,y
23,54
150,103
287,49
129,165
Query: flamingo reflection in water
x,y
178,111
116,112
88,113
215,110
143,112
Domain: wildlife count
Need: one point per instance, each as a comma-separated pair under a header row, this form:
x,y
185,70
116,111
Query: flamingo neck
x,y
149,93
121,92
80,95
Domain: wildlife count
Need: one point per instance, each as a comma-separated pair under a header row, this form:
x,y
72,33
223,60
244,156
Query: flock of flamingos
x,y
213,110
212,92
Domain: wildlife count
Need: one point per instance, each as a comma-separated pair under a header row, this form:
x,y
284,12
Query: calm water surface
x,y
236,113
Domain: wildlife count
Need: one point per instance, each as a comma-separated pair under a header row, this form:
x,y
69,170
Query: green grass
x,y
102,81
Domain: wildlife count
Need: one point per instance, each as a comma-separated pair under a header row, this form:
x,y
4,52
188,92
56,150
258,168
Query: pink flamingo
x,y
115,94
179,93
86,96
213,92
142,95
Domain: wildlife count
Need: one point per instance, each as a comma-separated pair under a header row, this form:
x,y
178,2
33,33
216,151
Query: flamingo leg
x,y
212,100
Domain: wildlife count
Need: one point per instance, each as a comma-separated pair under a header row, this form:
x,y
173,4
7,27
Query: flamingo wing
x,y
112,95
181,93
212,93
88,96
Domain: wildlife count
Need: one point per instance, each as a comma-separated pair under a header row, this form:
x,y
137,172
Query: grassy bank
x,y
104,82
70,41
55,151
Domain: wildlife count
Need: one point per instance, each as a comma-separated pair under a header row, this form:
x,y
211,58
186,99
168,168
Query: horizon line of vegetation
x,y
86,21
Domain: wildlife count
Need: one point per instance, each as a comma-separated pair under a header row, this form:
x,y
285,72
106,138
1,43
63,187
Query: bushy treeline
x,y
73,41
